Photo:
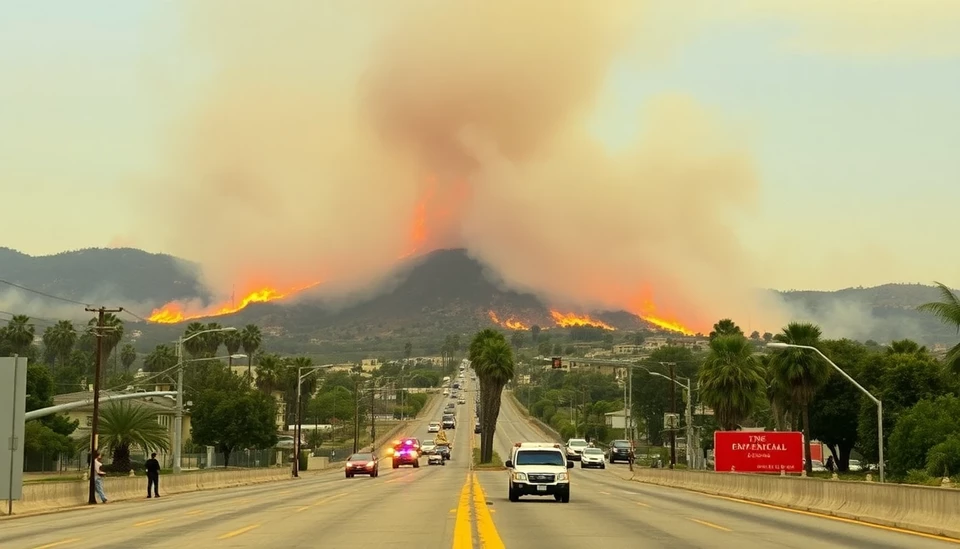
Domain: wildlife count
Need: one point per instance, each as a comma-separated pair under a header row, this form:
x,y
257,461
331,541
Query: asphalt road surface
x,y
438,507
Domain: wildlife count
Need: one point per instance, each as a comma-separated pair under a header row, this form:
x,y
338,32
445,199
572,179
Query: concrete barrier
x,y
926,509
50,496
549,432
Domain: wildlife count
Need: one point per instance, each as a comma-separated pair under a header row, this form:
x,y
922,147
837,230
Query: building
x,y
616,420
164,407
627,349
654,343
370,364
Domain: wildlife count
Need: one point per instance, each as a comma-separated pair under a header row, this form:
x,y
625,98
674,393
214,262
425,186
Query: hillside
x,y
121,274
442,292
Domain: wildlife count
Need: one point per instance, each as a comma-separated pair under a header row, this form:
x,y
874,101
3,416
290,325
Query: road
x,y
438,507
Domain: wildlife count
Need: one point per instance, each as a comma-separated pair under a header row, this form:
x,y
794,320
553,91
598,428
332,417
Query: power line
x,y
38,292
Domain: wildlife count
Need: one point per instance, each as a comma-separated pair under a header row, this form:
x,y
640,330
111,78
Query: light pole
x,y
178,423
779,345
691,446
296,432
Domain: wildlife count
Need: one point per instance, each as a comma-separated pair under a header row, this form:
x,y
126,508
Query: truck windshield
x,y
540,457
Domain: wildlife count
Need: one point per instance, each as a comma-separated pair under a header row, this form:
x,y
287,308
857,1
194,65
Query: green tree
x,y
128,355
492,360
60,339
233,341
835,409
517,338
767,337
19,334
755,335
334,403
947,310
163,357
802,372
124,425
232,418
732,381
651,394
193,344
725,327
919,430
900,381
407,350
270,373
250,339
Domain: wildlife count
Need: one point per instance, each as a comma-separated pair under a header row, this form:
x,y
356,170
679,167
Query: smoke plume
x,y
328,142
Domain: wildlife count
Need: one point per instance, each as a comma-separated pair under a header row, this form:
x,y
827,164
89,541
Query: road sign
x,y
13,404
671,421
758,452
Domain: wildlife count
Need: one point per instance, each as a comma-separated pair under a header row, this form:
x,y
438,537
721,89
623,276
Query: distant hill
x,y
121,274
446,291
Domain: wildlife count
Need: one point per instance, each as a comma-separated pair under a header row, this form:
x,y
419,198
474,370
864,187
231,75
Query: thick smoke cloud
x,y
328,142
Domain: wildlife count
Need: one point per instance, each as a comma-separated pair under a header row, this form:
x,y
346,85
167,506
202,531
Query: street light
x,y
689,415
779,345
178,424
296,432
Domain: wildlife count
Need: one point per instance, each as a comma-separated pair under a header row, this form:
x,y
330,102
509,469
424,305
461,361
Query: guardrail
x,y
924,509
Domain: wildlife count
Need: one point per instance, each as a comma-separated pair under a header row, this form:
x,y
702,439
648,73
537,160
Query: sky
x,y
825,133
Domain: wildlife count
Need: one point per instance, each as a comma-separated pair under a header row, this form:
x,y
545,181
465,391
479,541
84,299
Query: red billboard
x,y
758,451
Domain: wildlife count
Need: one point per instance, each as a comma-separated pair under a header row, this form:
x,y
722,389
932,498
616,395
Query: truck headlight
x,y
519,476
561,477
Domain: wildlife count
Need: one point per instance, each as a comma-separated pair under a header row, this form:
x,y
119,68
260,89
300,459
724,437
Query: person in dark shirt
x,y
153,475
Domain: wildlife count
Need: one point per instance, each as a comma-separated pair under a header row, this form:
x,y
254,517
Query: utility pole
x,y
95,423
356,417
632,431
673,410
373,414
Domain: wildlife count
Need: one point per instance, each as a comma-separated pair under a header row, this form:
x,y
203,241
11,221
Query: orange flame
x,y
175,312
510,323
571,319
667,325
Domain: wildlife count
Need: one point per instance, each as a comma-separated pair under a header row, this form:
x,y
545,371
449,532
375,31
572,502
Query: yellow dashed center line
x,y
236,533
148,522
711,525
57,543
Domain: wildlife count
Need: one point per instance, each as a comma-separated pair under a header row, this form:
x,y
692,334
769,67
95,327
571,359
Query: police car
x,y
538,469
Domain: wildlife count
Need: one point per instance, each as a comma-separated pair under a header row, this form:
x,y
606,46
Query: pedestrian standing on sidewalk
x,y
153,475
98,482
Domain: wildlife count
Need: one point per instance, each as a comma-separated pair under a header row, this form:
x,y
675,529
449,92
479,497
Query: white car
x,y
592,457
428,447
436,459
434,427
575,446
538,469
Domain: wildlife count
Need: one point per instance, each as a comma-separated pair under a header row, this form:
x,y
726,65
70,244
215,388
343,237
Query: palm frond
x,y
947,310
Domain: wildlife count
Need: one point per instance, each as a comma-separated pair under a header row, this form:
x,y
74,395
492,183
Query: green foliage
x,y
128,355
123,425
332,403
835,409
927,425
251,339
491,357
948,311
651,394
232,418
162,358
732,381
944,458
40,388
725,327
41,440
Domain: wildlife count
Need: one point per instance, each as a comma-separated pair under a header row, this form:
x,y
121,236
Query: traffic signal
x,y
557,362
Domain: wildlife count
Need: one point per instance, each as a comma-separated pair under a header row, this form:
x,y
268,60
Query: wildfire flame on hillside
x,y
175,312
668,325
570,319
510,323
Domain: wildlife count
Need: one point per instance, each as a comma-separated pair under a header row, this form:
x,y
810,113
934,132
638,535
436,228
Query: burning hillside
x,y
175,311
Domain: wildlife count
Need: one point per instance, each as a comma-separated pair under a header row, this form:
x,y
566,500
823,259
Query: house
x,y
164,408
654,343
617,419
370,364
627,349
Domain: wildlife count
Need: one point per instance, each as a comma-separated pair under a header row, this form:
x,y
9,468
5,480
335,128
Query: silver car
x,y
592,457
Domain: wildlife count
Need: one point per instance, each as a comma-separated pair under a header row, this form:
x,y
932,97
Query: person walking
x,y
153,475
98,482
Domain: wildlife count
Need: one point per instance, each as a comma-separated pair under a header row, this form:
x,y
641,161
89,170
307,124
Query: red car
x,y
362,464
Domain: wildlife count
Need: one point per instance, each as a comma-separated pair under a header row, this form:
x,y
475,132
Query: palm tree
x,y
112,334
906,347
250,340
725,327
731,380
194,346
60,339
19,334
128,355
778,395
492,359
124,425
212,340
801,372
947,310
162,358
270,369
232,341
